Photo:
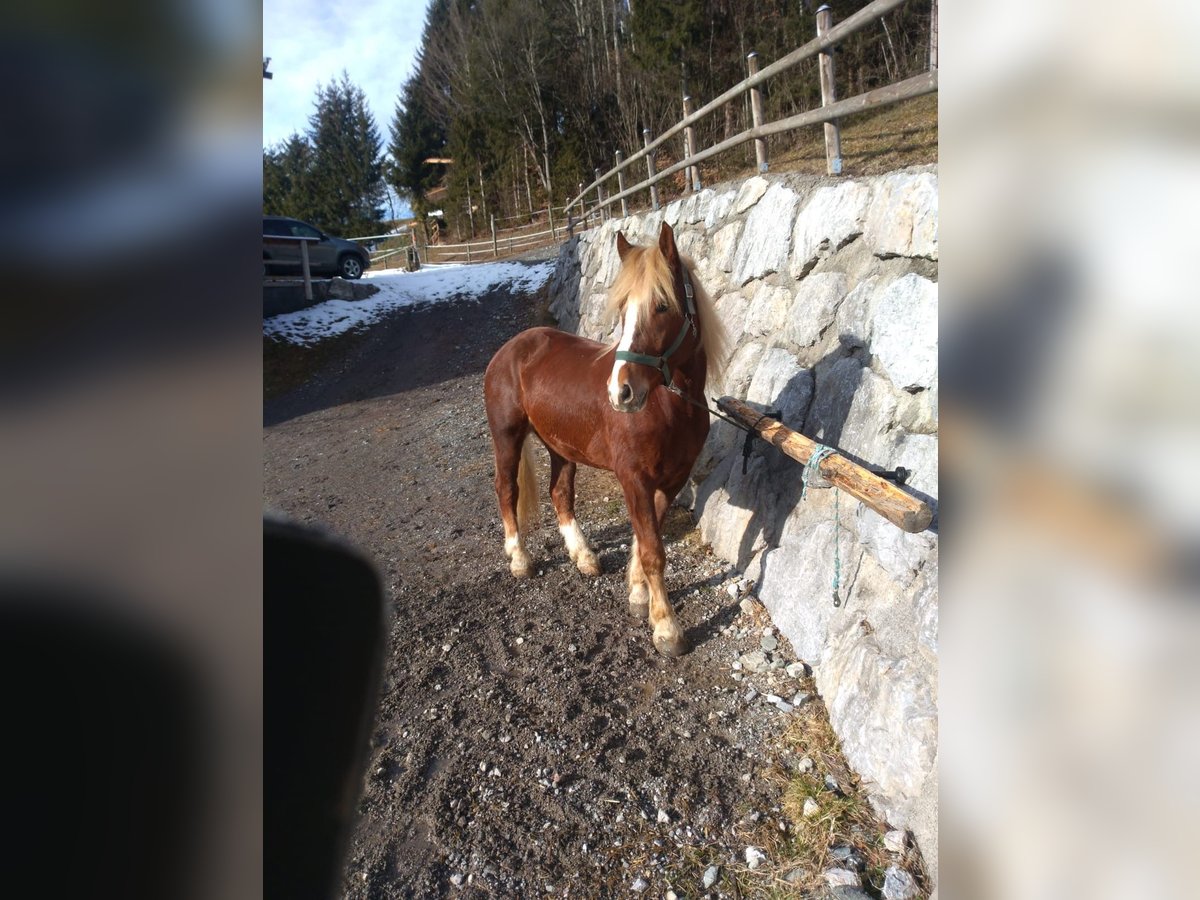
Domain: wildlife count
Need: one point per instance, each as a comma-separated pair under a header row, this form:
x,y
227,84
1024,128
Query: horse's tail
x,y
527,489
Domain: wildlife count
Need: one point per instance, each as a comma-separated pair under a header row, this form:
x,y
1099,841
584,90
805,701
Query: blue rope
x,y
811,468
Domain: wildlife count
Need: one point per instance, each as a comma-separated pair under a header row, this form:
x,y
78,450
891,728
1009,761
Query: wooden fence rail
x,y
828,36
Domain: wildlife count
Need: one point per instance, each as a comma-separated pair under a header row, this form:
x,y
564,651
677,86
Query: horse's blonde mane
x,y
645,279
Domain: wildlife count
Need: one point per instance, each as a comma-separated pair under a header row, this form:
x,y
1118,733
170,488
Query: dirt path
x,y
529,741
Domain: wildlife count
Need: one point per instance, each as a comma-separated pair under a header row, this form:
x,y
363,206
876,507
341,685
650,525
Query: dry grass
x,y
845,816
873,142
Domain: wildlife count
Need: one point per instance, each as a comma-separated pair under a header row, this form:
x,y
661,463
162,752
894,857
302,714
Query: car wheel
x,y
350,266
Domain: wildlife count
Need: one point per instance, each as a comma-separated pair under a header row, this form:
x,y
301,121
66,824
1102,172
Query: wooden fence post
x,y
621,183
833,137
756,114
689,144
468,251
495,252
550,216
600,197
650,168
307,272
933,37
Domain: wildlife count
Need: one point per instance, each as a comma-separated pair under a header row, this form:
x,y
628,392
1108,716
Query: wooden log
x,y
902,510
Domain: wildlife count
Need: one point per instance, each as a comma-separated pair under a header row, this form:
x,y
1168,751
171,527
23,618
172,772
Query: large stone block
x,y
905,327
833,215
750,193
781,384
813,309
763,248
768,311
903,216
719,208
725,244
882,708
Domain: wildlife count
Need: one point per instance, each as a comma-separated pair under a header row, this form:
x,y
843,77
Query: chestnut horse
x,y
620,407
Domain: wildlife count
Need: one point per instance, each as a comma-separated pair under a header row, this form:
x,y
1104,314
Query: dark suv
x,y
326,255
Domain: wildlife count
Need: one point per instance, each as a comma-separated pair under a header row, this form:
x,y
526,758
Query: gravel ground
x,y
529,740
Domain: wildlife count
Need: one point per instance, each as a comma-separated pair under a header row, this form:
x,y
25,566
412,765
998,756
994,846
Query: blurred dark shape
x,y
79,112
102,766
325,628
996,354
128,197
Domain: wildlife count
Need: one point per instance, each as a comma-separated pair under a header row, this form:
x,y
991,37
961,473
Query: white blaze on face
x,y
628,327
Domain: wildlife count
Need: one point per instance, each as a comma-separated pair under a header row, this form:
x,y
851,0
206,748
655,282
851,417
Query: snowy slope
x,y
433,284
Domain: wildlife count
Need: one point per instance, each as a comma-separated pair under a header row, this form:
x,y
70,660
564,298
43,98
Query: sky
x,y
310,42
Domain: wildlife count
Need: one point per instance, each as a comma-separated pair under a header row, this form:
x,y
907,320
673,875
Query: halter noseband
x,y
660,362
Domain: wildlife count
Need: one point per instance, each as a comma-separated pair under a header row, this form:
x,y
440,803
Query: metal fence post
x,y
833,137
689,144
495,252
650,168
756,114
621,183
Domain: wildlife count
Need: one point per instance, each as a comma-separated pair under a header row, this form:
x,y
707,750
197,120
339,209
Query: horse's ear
x,y
623,246
666,243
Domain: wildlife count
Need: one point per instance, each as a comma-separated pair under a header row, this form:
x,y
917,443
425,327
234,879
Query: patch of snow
x,y
430,284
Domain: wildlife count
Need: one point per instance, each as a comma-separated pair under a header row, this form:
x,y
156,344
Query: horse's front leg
x,y
669,639
639,591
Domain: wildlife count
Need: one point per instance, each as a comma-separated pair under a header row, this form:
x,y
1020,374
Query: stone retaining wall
x,y
828,289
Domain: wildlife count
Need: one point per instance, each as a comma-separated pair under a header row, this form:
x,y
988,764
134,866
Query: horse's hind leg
x,y
562,492
508,442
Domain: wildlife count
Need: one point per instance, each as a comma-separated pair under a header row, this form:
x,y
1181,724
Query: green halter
x,y
660,362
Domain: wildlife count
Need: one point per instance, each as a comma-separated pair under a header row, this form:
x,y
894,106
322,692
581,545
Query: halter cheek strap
x,y
660,362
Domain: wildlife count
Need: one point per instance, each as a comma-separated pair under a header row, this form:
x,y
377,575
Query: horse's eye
x,y
661,307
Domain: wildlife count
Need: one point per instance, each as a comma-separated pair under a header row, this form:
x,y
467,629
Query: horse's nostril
x,y
626,393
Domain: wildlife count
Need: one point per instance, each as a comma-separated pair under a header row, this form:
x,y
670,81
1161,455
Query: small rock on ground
x,y
810,808
896,840
835,877
711,874
755,857
898,884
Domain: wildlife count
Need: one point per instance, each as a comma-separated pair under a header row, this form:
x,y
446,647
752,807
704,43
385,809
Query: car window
x,y
275,229
299,229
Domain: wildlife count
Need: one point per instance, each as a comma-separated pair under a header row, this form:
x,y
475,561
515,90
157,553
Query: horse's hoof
x,y
671,645
588,564
521,567
639,609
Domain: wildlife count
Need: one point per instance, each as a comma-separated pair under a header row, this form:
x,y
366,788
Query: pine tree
x,y
416,137
345,188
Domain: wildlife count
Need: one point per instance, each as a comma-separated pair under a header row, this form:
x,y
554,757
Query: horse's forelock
x,y
645,277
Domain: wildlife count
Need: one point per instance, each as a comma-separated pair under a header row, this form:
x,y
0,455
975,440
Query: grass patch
x,y
844,818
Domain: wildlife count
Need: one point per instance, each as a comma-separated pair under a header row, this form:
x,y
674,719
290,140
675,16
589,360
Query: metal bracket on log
x,y
902,510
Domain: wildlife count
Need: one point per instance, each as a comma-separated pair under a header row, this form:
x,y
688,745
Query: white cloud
x,y
310,42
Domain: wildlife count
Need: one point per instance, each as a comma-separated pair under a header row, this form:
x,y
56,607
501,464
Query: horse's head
x,y
653,297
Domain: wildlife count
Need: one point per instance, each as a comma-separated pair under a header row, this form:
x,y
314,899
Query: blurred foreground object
x,y
1069,176
325,630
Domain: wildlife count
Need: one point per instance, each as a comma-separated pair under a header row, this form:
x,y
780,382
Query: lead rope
x,y
811,468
